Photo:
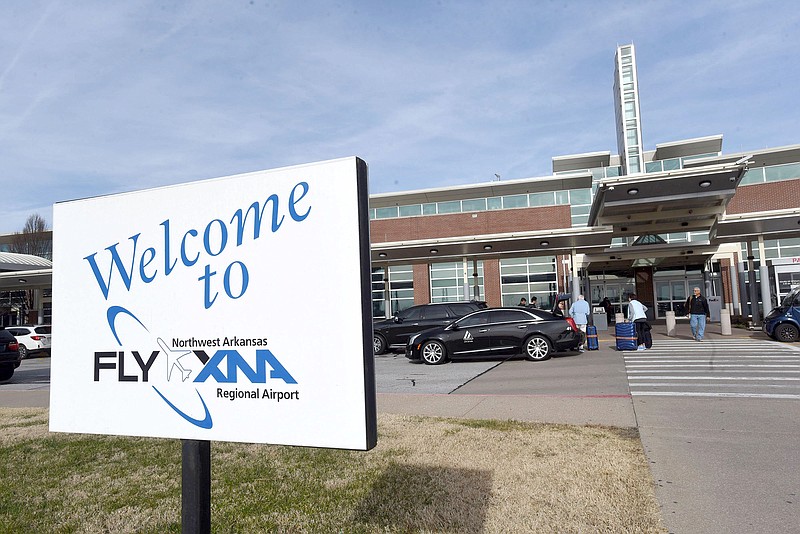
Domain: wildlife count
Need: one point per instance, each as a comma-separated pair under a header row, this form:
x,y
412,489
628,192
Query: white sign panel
x,y
233,309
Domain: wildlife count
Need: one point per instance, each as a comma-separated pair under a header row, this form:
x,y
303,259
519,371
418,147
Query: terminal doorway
x,y
671,294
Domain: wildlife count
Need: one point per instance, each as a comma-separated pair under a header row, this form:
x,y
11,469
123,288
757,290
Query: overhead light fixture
x,y
612,257
381,254
22,280
684,223
690,252
544,243
487,247
705,183
434,251
633,191
623,229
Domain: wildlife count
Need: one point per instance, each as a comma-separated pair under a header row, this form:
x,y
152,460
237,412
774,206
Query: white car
x,y
32,339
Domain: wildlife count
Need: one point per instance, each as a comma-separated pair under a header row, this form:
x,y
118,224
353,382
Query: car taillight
x,y
572,324
13,346
36,338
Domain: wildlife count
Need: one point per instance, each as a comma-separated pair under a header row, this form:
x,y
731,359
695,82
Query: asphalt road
x,y
718,420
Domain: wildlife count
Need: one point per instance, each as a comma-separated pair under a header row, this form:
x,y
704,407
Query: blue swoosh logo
x,y
111,315
206,422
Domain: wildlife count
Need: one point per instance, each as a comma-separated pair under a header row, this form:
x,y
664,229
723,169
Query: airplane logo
x,y
174,360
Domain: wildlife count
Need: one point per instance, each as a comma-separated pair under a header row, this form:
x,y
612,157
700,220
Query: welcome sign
x,y
232,309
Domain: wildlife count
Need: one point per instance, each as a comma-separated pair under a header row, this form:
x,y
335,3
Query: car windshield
x,y
793,295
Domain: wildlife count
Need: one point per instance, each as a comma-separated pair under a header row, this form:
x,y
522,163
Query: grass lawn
x,y
425,475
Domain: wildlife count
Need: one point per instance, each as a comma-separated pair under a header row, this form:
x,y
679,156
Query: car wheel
x,y
786,332
23,351
538,348
6,372
433,353
378,344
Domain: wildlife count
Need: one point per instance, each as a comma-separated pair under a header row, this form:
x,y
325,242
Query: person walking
x,y
697,308
637,315
579,311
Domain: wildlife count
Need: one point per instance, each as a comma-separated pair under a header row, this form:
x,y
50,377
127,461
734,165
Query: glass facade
x,y
579,200
527,278
774,173
401,289
448,280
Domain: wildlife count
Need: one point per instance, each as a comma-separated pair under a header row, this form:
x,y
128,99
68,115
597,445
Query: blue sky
x,y
99,97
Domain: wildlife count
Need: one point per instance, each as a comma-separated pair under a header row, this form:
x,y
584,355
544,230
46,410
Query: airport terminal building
x,y
654,222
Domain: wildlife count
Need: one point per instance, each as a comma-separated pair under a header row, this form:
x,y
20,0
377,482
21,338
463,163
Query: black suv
x,y
394,333
9,355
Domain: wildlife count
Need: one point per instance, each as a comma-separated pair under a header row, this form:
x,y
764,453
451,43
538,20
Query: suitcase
x,y
626,336
591,337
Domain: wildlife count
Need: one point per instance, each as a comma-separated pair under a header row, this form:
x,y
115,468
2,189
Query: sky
x,y
101,97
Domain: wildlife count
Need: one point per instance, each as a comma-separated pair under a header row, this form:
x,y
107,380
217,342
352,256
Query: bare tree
x,y
35,238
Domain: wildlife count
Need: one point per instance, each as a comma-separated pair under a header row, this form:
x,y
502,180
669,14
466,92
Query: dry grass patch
x,y
425,475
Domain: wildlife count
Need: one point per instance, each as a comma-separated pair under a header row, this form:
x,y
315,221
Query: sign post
x,y
196,487
200,298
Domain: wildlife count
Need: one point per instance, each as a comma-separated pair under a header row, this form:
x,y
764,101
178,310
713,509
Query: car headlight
x,y
412,339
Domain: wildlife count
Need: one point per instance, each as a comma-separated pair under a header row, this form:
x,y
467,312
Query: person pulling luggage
x,y
579,311
637,315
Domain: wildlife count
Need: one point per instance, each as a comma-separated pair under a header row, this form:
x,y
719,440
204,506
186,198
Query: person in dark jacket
x,y
697,308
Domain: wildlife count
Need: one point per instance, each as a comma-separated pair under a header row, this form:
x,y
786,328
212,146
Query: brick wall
x,y
469,224
764,197
491,282
422,283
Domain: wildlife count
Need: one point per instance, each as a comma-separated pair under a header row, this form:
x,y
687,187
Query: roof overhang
x,y
32,279
685,200
748,226
574,162
540,242
689,147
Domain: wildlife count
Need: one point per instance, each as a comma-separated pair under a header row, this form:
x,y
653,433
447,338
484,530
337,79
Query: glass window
x,y
447,281
782,172
494,203
429,209
562,197
581,210
542,199
372,213
579,220
652,166
474,320
753,176
478,204
672,164
633,165
453,206
411,211
435,312
508,316
528,278
613,171
515,201
401,287
580,196
386,213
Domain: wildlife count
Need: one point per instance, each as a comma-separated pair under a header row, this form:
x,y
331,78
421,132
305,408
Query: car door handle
x,y
483,330
522,326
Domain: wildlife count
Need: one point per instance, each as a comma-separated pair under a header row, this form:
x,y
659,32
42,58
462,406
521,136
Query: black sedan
x,y
9,355
493,332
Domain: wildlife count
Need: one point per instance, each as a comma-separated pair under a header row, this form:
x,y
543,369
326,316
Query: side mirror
x,y
453,326
398,319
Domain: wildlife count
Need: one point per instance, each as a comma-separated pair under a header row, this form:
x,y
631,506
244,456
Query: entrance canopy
x,y
24,271
683,200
